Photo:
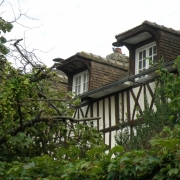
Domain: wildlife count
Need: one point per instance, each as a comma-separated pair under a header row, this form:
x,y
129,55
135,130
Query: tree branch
x,y
20,52
43,76
52,104
1,2
16,130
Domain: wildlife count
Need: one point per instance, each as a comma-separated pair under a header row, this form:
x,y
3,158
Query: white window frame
x,y
146,48
81,82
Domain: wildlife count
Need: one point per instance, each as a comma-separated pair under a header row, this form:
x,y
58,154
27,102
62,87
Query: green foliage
x,y
4,27
165,113
38,137
159,162
31,125
37,143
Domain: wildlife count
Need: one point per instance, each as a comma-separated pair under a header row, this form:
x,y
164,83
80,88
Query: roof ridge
x,y
103,60
169,29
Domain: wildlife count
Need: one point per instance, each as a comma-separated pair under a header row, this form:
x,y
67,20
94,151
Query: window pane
x,y
150,51
144,54
79,89
144,63
76,89
154,50
77,81
140,64
77,84
155,59
84,87
140,55
85,82
85,75
81,82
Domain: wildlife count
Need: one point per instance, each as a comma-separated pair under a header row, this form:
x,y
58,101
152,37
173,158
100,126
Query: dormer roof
x,y
142,32
81,59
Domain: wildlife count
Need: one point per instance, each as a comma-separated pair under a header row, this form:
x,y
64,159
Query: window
x,y
144,56
81,82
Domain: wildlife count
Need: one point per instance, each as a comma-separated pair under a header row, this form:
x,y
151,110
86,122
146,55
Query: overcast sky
x,y
71,26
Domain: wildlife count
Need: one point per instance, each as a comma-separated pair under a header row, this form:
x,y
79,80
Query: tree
x,y
35,117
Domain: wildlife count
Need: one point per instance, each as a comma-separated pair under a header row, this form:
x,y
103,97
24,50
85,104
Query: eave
x,y
83,60
140,33
125,83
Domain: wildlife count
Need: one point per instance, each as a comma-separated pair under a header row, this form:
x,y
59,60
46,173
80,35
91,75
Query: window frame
x,y
84,82
140,49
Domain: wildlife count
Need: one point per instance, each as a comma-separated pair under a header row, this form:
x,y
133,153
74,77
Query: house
x,y
114,87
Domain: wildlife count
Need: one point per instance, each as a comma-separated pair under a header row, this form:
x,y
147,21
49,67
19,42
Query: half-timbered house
x,y
112,88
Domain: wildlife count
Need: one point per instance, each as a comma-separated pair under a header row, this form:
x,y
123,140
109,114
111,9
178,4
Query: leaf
x,y
8,26
111,175
125,159
29,165
3,49
96,151
160,176
116,149
173,171
3,40
111,166
26,82
96,170
154,160
85,165
169,143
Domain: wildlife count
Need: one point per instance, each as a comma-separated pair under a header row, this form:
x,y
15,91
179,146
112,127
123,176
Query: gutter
x,y
130,78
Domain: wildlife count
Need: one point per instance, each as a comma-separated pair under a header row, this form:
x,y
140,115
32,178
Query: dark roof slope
x,y
100,59
153,24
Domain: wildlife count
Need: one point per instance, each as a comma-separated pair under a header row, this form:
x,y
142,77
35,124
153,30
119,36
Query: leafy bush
x,y
152,121
161,161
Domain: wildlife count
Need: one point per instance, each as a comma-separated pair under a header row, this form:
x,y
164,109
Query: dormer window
x,y
81,82
144,55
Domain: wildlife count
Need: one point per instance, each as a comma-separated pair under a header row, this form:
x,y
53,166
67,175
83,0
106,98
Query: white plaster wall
x,y
95,114
112,105
120,108
107,138
89,113
113,121
113,142
84,109
101,114
106,112
125,106
132,102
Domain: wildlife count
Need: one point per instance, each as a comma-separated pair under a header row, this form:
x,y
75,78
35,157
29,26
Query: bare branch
x,y
1,2
52,104
15,19
58,100
25,57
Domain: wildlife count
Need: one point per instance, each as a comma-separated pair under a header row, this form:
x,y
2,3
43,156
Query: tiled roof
x,y
100,59
153,24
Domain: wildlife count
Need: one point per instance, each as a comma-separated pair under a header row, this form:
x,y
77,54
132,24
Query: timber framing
x,y
116,94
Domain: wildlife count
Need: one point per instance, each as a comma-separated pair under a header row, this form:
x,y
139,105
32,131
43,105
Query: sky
x,y
61,28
